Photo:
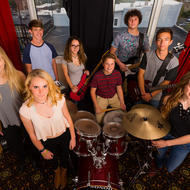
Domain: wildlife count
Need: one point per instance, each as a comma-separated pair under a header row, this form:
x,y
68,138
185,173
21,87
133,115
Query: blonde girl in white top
x,y
47,121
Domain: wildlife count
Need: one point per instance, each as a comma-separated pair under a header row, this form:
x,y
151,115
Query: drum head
x,y
87,128
114,116
84,115
113,130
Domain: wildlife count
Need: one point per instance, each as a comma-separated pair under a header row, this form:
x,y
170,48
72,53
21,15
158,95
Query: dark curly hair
x,y
131,13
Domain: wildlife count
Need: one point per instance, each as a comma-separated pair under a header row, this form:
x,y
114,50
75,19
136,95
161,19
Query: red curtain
x,y
184,59
8,37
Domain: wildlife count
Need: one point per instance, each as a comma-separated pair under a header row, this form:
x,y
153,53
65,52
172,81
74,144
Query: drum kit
x,y
99,149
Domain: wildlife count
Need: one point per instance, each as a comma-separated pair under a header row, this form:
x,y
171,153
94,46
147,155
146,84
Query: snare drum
x,y
113,116
87,132
82,114
115,138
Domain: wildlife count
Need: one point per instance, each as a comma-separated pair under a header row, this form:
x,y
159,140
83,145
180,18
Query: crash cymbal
x,y
145,123
72,108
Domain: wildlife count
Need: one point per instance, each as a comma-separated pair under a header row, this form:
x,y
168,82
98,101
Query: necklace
x,y
75,56
41,102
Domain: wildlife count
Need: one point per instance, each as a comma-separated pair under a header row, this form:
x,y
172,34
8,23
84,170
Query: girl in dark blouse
x,y
177,111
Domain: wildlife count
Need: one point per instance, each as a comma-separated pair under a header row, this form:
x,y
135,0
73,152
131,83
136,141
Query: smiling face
x,y
37,33
109,65
75,46
39,89
163,41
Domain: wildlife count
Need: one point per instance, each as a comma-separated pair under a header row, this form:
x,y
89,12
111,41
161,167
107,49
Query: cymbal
x,y
145,123
72,108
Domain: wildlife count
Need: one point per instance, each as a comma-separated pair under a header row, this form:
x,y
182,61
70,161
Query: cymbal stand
x,y
142,168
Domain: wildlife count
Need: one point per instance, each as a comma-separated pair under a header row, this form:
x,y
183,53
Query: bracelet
x,y
151,94
41,150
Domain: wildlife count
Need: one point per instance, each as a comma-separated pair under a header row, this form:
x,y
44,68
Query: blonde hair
x,y
13,78
54,92
67,52
176,94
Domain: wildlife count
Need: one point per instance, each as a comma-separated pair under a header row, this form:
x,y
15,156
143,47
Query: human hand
x,y
48,155
146,97
123,67
74,89
1,133
72,144
98,109
87,72
160,143
123,106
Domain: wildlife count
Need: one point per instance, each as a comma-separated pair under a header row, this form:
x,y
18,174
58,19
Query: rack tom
x,y
115,138
87,132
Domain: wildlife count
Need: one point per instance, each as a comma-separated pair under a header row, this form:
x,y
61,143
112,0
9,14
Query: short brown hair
x,y
108,55
131,13
35,23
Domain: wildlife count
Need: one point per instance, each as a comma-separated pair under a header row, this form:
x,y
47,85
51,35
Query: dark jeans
x,y
13,136
59,146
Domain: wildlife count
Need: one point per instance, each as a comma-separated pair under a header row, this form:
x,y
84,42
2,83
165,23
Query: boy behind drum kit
x,y
106,88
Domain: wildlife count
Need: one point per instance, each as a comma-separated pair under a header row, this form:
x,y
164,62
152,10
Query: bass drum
x,y
91,177
87,132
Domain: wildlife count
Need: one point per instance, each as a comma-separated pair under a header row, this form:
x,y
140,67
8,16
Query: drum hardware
x,y
88,184
99,161
145,122
143,167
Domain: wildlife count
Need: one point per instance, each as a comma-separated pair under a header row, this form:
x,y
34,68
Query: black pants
x,y
59,146
13,136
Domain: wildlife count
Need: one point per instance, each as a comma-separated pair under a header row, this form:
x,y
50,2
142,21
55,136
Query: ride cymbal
x,y
145,123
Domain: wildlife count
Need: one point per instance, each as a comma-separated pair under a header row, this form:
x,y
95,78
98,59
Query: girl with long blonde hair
x,y
11,88
177,111
48,123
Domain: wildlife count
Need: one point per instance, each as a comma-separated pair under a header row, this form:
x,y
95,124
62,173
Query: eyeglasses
x,y
75,46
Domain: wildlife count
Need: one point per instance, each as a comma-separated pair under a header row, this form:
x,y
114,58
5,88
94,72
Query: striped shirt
x,y
106,84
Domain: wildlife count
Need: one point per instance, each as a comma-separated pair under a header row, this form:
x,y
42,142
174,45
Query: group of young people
x,y
37,103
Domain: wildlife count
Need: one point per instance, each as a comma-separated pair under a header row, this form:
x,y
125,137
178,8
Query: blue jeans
x,y
154,103
176,155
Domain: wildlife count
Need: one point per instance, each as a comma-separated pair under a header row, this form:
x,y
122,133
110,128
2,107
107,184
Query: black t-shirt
x,y
180,121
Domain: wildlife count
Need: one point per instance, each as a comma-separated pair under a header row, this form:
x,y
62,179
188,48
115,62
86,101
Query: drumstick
x,y
110,109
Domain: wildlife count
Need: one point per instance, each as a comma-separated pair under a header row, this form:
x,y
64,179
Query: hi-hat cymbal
x,y
145,123
72,108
